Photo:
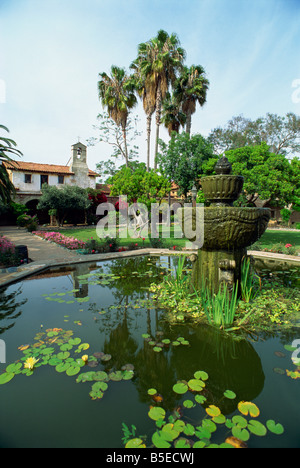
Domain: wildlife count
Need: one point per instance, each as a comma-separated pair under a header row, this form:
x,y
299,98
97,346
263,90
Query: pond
x,y
104,311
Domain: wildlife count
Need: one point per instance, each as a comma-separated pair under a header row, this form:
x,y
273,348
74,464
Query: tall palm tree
x,y
7,149
191,87
172,116
117,94
159,60
147,94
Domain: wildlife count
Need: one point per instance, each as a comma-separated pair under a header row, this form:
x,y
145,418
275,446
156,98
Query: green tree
x,y
117,93
184,159
140,185
64,200
268,176
158,61
189,89
281,133
7,151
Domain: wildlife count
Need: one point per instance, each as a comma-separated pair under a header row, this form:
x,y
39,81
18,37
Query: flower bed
x,y
8,255
68,242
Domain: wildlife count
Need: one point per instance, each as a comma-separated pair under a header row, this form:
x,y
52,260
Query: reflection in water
x,y
230,363
9,308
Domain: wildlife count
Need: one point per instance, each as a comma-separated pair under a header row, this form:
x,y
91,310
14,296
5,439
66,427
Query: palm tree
x,y
159,60
147,95
173,117
7,149
117,94
191,87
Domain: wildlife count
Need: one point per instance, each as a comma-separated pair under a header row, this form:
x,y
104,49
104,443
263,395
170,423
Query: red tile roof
x,y
42,168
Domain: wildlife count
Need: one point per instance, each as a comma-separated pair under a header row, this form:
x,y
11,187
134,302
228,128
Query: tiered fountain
x,y
228,230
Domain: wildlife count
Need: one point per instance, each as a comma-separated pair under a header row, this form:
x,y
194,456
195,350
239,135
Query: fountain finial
x,y
223,166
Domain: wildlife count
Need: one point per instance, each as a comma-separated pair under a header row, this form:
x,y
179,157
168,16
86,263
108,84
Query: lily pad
x,y
73,370
180,388
99,386
213,411
275,428
196,385
246,407
6,377
257,428
106,357
116,376
63,367
201,375
63,355
229,394
135,443
86,377
74,341
100,376
156,413
14,368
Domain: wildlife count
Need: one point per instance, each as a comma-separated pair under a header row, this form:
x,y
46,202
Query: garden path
x,y
38,249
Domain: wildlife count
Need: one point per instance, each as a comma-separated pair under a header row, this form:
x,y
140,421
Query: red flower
x,y
110,245
93,251
174,247
288,245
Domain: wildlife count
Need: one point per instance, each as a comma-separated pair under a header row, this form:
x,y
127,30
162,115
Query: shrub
x,y
8,256
156,243
28,222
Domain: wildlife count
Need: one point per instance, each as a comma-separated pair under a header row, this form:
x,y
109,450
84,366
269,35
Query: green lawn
x,y
272,236
87,234
269,238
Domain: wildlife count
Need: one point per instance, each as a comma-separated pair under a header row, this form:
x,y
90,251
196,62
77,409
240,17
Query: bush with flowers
x,y
68,242
8,255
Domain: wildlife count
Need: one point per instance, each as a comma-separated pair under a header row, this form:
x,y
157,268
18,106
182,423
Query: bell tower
x,y
78,157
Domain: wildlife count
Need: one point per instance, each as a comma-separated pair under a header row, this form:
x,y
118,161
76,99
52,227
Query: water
x,y
49,409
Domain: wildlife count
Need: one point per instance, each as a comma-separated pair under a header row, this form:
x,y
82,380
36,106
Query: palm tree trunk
x,y
188,123
125,144
158,121
148,140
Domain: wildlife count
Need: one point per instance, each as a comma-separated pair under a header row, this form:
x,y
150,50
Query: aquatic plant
x,y
30,363
247,281
220,308
179,431
54,348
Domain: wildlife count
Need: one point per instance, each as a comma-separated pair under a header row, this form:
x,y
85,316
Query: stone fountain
x,y
228,230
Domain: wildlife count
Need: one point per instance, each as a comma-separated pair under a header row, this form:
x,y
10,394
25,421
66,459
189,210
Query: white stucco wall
x,y
18,179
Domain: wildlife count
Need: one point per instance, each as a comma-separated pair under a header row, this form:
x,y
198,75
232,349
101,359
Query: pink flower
x,y
288,245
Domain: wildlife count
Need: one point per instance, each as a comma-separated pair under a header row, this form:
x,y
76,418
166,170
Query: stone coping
x,y
13,275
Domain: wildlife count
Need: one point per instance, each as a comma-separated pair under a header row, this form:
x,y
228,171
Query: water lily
x,y
30,363
85,358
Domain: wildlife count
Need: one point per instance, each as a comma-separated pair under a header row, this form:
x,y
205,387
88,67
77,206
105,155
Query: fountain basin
x,y
225,227
222,190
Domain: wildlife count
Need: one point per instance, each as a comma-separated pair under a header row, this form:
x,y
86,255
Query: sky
x,y
52,51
